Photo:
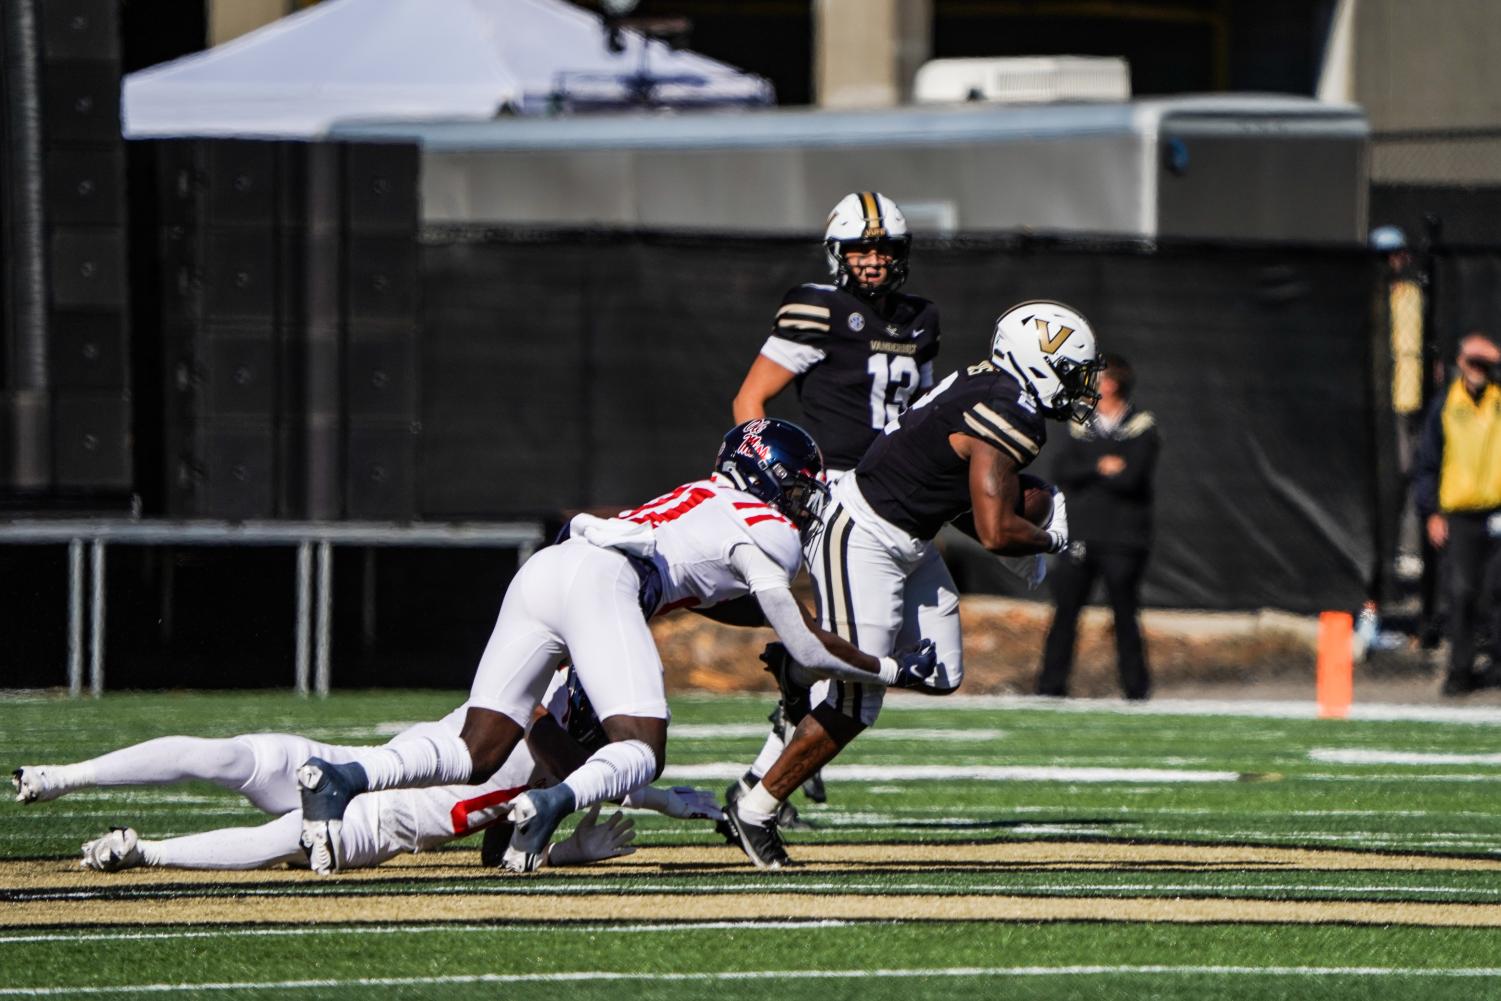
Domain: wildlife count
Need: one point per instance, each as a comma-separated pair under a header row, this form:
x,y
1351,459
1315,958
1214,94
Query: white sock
x,y
770,752
224,762
429,760
611,772
758,806
230,848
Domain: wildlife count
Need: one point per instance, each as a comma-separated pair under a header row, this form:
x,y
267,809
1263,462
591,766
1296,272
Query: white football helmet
x,y
1051,348
864,219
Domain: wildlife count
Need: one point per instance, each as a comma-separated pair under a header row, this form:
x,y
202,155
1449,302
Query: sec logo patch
x,y
857,322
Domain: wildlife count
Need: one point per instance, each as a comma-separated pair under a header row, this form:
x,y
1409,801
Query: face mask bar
x,y
803,500
1080,392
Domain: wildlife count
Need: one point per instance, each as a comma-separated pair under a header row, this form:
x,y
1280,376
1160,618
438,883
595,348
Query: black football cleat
x,y
762,843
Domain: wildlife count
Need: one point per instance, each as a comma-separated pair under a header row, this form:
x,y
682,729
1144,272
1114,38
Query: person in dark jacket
x,y
1105,468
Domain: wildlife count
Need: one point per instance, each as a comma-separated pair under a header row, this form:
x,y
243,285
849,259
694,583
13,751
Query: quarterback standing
x,y
858,351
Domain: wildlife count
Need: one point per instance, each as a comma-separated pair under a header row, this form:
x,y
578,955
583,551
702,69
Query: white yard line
x,y
1378,756
724,770
1249,708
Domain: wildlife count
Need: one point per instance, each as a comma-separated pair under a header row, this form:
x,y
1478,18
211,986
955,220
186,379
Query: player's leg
x,y
616,661
794,702
1463,564
224,762
1070,578
512,675
277,841
860,589
930,610
1122,569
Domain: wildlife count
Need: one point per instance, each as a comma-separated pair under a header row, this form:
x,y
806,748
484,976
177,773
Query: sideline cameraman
x,y
1457,491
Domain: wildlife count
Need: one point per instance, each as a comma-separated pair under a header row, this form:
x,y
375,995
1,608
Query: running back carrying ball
x,y
1036,500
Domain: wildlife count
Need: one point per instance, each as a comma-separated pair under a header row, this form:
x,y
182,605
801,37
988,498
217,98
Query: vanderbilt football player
x,y
877,575
858,351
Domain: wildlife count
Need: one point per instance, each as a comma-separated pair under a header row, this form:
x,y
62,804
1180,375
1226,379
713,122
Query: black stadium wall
x,y
589,370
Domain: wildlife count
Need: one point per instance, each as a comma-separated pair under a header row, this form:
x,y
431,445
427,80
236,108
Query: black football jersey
x,y
911,475
857,368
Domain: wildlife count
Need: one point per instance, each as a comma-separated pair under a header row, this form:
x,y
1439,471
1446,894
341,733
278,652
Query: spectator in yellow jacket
x,y
1457,491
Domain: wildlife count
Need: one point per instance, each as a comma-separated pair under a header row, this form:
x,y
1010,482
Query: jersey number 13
x,y
892,381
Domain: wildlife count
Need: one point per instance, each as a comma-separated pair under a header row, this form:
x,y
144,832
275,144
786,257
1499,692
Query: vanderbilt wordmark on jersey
x,y
857,367
911,475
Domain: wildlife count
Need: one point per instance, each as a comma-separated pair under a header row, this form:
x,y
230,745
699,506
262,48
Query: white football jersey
x,y
697,525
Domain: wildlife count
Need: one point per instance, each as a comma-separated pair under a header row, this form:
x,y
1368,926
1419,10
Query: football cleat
x,y
117,850
492,850
326,791
536,814
32,785
814,788
761,842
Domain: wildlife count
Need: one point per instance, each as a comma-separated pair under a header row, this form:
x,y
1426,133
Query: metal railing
x,y
314,578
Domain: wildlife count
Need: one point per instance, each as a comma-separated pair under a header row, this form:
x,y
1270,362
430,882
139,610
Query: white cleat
x,y
32,785
117,850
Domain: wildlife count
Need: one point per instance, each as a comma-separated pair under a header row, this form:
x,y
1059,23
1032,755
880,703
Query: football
x,y
1036,501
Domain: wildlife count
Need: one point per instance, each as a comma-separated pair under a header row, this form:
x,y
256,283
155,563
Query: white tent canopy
x,y
386,60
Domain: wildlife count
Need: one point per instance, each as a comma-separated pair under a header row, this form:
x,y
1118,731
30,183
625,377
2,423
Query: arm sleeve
x,y
1428,461
784,616
773,591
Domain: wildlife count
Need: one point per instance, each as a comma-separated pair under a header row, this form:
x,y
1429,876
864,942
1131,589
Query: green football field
x,y
995,848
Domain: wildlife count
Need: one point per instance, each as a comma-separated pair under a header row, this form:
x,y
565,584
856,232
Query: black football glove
x,y
916,665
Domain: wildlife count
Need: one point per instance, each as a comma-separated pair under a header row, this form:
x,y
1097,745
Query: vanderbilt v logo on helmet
x,y
1051,348
1051,342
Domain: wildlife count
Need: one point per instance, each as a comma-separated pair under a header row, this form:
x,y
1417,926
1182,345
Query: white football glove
x,y
591,842
684,802
1057,525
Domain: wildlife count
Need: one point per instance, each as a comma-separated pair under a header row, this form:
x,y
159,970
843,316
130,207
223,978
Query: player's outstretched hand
x,y
692,804
592,841
916,665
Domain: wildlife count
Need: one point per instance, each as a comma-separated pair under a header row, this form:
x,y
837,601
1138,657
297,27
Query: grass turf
x,y
1281,793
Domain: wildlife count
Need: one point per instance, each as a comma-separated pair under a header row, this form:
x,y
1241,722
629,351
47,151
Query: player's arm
x,y
994,491
773,592
765,380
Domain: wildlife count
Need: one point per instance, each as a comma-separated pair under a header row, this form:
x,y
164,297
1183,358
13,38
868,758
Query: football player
x,y
261,767
877,575
740,532
859,350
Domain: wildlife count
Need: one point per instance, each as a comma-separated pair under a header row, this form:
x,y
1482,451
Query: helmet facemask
x,y
802,500
1078,389
896,248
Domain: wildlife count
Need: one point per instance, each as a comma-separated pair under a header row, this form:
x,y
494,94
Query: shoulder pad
x,y
804,314
1139,424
